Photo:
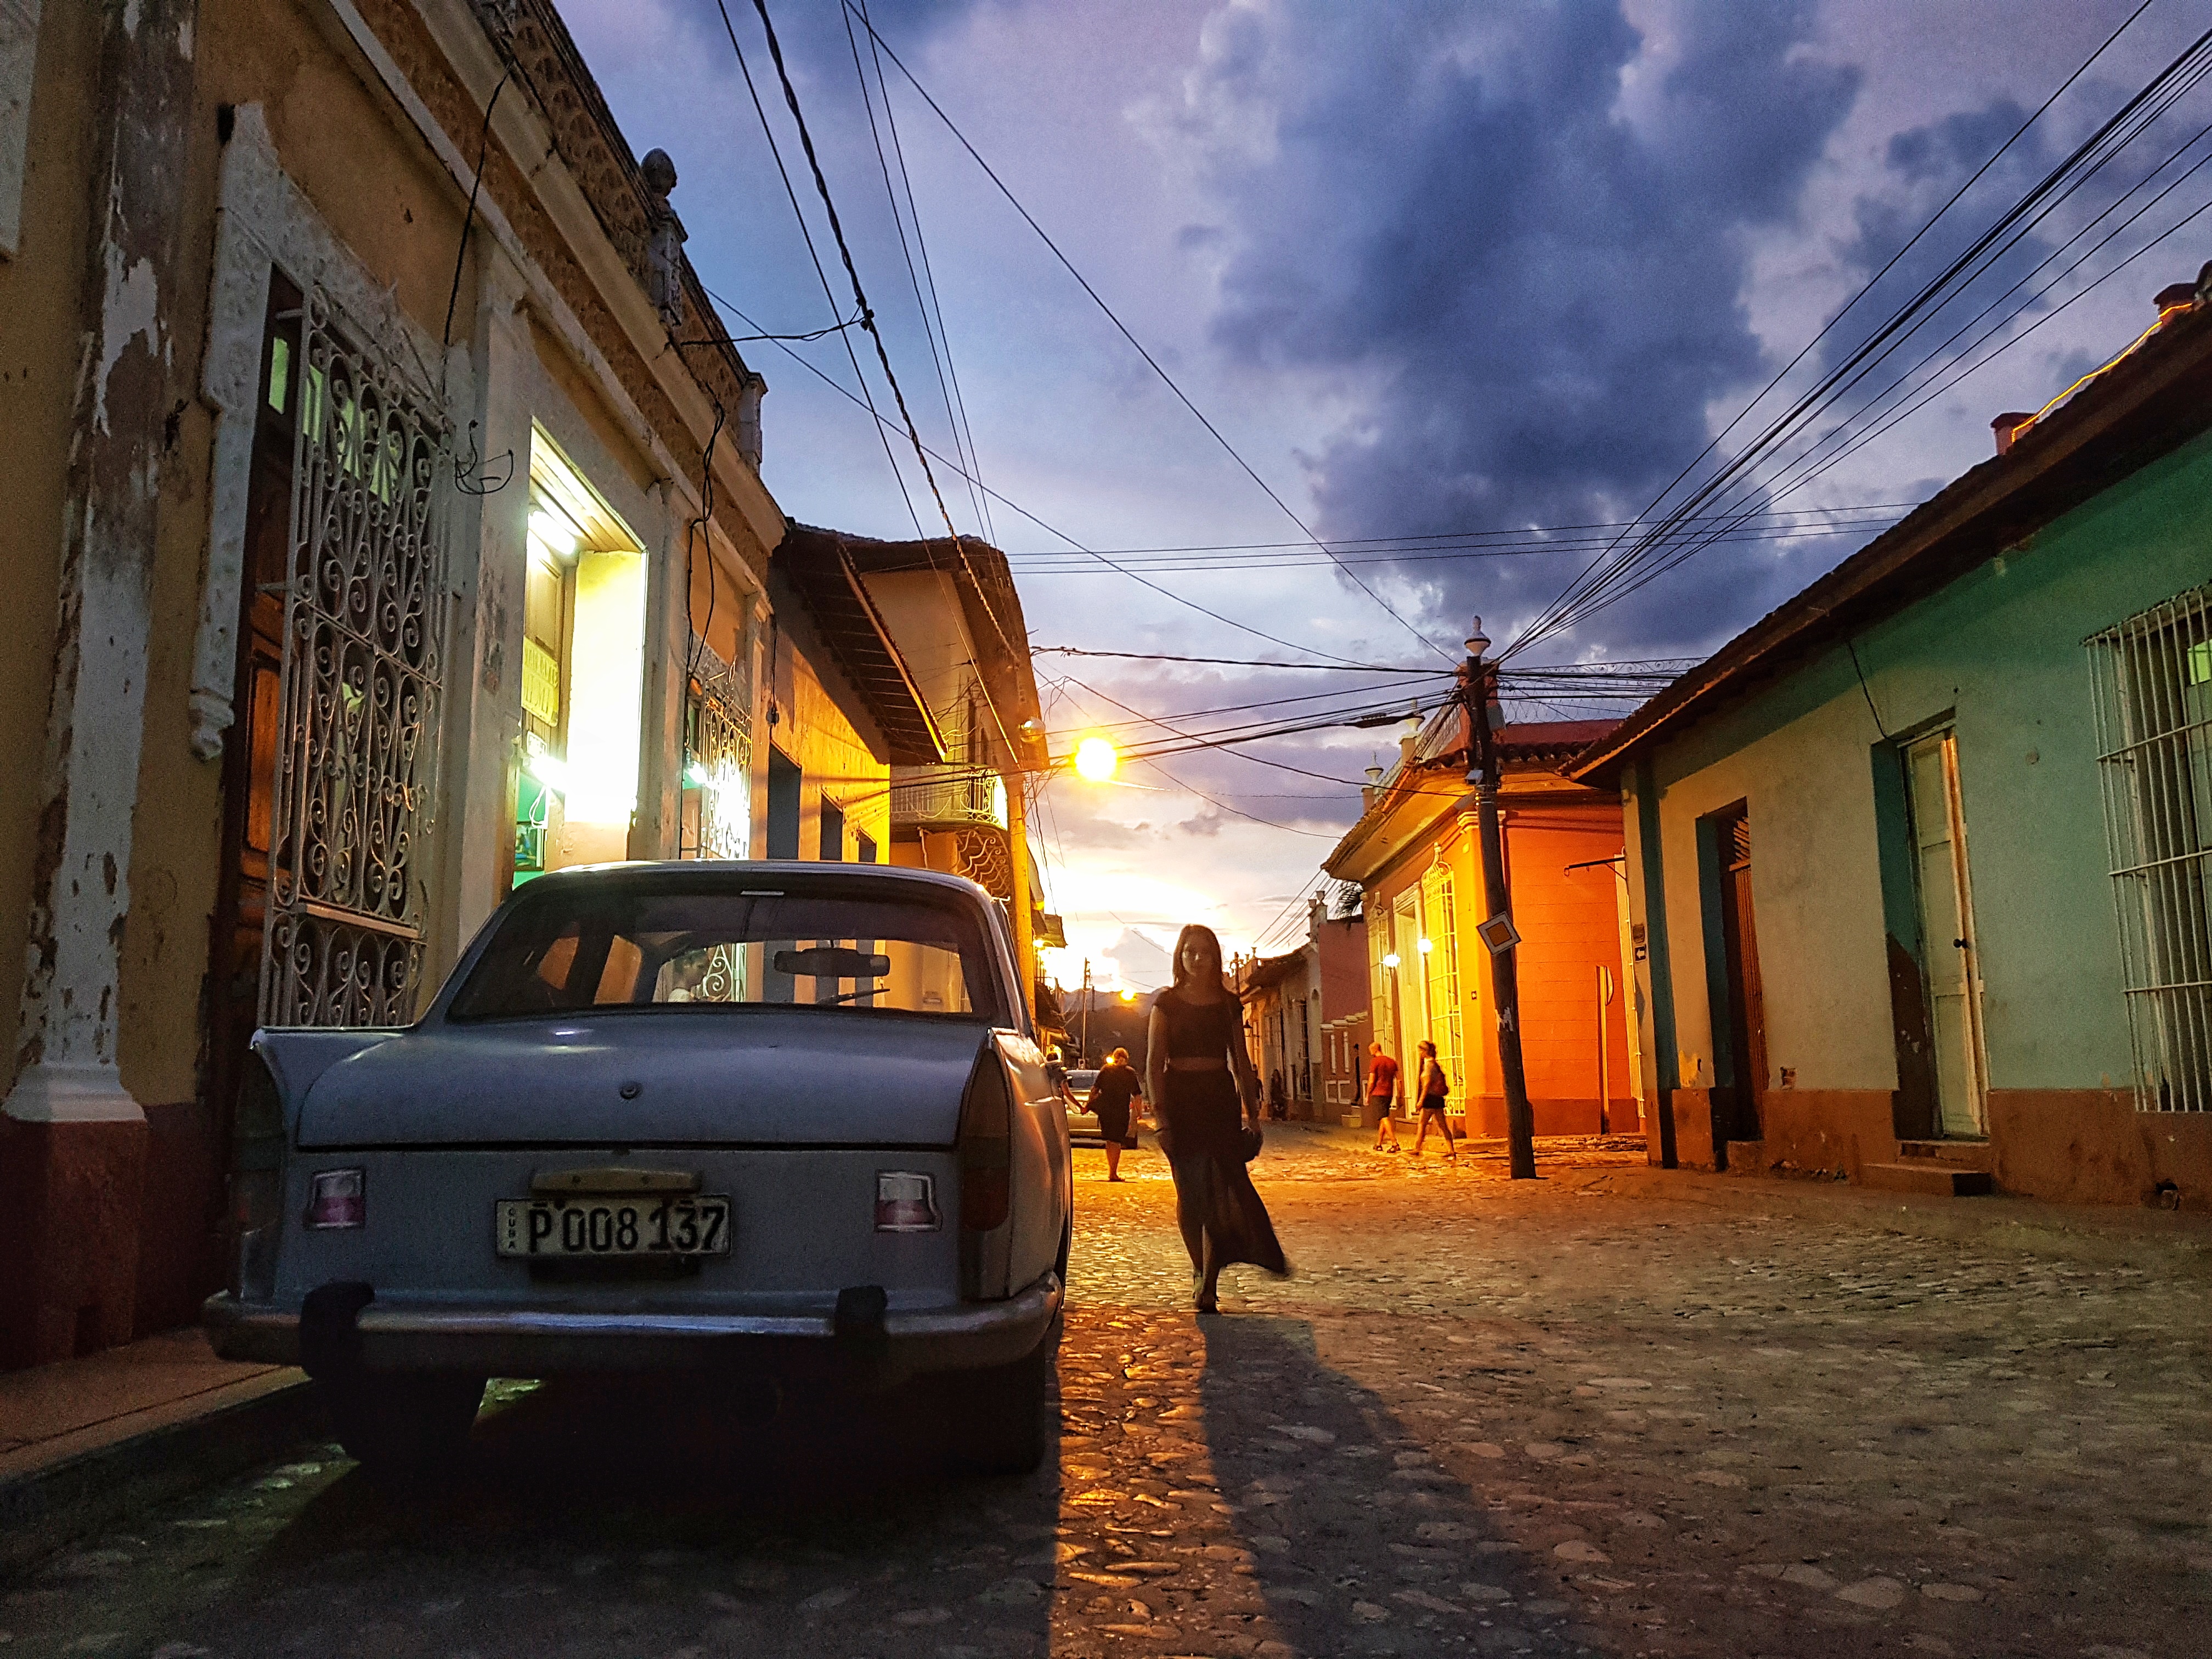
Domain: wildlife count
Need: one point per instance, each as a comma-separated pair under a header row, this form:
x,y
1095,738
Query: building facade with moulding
x,y
1921,859
1306,1011
1414,855
386,531
936,627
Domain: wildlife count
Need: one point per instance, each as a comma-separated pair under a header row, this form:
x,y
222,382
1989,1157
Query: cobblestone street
x,y
1568,1416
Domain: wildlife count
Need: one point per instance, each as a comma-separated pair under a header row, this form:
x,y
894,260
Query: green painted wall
x,y
1998,652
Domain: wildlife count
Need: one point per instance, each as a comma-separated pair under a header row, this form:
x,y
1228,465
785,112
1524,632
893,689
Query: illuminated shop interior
x,y
583,674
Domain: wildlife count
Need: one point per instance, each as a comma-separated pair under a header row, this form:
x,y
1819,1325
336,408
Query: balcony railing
x,y
959,795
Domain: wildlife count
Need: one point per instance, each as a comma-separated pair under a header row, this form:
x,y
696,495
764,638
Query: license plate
x,y
588,1224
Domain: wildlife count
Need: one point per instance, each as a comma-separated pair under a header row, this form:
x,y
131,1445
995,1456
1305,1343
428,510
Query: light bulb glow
x,y
1096,760
1127,995
1427,945
554,531
1391,960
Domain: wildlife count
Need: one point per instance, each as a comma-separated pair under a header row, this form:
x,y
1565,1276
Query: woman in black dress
x,y
1202,1086
1111,1095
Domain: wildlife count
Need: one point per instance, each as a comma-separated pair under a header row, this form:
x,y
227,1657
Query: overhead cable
x,y
1151,362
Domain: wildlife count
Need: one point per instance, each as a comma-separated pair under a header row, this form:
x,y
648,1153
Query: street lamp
x,y
1096,760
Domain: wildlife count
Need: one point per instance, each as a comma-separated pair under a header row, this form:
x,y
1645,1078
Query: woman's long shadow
x,y
1362,1543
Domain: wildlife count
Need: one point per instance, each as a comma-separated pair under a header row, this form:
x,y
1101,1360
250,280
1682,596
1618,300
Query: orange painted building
x,y
1415,855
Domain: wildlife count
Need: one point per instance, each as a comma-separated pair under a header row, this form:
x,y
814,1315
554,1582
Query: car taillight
x,y
256,1148
906,1203
337,1198
986,1147
987,1155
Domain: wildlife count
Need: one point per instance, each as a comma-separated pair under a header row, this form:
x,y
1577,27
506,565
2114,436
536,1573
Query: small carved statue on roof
x,y
664,246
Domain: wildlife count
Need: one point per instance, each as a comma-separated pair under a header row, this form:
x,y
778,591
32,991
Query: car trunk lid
x,y
797,1077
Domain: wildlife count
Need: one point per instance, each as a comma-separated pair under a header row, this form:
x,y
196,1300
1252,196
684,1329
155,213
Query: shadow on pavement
x,y
1363,1543
606,1515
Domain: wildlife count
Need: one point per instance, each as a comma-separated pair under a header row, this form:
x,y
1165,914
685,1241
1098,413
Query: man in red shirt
x,y
1382,1091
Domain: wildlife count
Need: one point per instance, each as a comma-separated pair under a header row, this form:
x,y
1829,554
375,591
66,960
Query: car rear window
x,y
862,946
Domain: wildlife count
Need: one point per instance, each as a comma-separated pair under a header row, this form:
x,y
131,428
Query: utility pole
x,y
1477,696
1086,1011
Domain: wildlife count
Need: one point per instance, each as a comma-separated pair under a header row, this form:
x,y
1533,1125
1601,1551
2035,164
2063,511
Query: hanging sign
x,y
1499,933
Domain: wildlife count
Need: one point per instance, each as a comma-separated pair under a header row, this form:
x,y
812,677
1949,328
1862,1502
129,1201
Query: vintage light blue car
x,y
780,1122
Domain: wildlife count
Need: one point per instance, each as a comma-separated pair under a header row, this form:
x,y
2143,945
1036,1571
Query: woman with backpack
x,y
1434,1088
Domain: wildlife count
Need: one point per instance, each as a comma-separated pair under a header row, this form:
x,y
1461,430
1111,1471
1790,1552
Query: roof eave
x,y
2116,426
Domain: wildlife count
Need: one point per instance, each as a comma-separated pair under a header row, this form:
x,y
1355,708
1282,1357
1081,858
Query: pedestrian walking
x,y
1383,1093
1117,1086
1206,1100
1278,1103
1433,1091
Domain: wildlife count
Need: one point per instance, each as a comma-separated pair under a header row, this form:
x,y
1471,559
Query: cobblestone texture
x,y
1484,1417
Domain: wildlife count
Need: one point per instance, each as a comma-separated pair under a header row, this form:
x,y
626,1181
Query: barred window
x,y
1440,965
2152,678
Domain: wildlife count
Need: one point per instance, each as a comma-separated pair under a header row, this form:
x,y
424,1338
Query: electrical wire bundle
x,y
1780,525
1885,377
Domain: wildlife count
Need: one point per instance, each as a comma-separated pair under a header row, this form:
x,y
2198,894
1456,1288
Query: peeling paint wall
x,y
39,348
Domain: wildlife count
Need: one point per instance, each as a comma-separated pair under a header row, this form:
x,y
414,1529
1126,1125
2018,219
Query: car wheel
x,y
998,1415
409,1424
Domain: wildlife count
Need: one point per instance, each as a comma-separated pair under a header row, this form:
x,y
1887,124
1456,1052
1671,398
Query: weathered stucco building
x,y
1305,1011
1414,853
1920,859
388,527
938,625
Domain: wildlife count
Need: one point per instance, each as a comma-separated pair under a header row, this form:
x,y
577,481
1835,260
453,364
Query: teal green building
x,y
1920,866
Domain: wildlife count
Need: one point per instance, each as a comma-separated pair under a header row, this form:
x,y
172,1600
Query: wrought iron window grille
x,y
2151,680
361,686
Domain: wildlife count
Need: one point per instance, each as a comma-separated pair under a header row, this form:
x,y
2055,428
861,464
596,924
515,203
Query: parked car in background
x,y
1082,1121
785,1122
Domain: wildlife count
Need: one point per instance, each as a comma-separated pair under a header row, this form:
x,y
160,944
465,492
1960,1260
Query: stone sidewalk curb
x,y
44,1509
2089,1232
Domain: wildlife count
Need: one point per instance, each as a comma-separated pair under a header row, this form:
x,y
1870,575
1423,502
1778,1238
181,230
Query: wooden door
x,y
1747,1005
1951,963
249,762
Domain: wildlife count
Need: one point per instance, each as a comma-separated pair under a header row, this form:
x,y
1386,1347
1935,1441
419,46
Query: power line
x,y
898,225
1235,662
844,337
737,311
883,359
1411,538
1189,789
852,272
1583,596
956,410
1151,362
1061,564
1661,559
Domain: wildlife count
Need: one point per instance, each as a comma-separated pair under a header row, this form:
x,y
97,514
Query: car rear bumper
x,y
394,1335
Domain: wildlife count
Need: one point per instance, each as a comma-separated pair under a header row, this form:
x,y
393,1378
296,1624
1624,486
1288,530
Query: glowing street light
x,y
1391,960
1127,995
1096,760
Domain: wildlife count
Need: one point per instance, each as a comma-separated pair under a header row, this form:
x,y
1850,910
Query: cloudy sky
x,y
1431,270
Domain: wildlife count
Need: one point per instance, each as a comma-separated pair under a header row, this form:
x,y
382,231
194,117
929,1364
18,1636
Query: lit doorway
x,y
1952,964
583,673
